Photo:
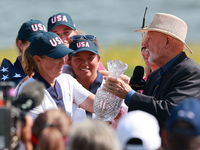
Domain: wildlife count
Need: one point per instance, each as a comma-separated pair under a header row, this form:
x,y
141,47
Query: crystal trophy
x,y
107,105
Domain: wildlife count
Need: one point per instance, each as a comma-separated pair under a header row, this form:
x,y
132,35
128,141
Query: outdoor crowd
x,y
65,61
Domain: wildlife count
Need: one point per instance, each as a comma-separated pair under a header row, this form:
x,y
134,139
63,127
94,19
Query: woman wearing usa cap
x,y
84,64
45,57
63,25
85,60
14,72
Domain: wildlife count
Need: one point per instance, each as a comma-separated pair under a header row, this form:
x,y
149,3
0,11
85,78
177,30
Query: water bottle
x,y
107,105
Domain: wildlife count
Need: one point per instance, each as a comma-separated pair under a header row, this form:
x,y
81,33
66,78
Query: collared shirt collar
x,y
56,93
38,77
166,66
97,83
94,86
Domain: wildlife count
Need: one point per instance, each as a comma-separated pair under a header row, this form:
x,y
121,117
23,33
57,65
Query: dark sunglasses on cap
x,y
87,37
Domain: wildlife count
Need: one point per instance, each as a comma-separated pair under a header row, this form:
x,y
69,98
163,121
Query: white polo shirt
x,y
73,94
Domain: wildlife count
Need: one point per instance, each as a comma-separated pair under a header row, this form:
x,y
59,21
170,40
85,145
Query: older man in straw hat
x,y
178,76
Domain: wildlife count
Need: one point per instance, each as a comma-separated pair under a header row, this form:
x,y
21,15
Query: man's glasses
x,y
87,37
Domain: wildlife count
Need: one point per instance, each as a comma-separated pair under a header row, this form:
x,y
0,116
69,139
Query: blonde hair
x,y
80,32
50,128
92,135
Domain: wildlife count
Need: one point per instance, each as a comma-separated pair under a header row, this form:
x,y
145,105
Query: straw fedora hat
x,y
170,25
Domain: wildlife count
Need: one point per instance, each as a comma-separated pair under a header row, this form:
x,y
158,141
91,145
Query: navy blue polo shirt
x,y
94,86
56,93
97,83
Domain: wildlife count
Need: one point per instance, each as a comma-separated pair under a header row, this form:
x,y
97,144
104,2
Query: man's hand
x,y
116,86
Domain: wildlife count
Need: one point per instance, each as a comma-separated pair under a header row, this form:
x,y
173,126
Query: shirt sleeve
x,y
79,92
128,97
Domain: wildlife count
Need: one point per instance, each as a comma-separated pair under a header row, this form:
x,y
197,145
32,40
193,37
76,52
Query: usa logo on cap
x,y
82,44
39,26
60,19
55,41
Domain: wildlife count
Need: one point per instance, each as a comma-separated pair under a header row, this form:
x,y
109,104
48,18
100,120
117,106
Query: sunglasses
x,y
87,37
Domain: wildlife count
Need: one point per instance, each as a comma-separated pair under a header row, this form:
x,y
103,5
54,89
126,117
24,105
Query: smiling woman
x,y
84,63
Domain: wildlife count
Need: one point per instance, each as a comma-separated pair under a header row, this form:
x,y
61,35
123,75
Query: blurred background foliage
x,y
129,54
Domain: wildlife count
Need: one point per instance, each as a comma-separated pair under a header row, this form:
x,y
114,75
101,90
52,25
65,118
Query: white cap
x,y
141,125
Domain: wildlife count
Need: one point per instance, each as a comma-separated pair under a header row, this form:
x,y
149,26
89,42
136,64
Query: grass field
x,y
129,54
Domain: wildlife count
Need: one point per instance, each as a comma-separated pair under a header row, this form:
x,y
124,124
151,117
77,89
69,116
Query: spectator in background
x,y
92,135
138,130
63,25
183,126
15,72
50,130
